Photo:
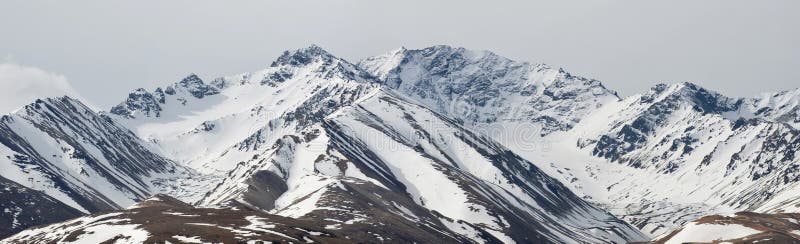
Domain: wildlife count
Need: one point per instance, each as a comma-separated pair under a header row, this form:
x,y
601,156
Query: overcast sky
x,y
107,48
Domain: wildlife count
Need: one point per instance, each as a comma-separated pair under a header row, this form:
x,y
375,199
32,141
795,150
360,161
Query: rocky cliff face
x,y
480,87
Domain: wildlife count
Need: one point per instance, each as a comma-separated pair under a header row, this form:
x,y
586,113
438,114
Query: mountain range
x,y
437,144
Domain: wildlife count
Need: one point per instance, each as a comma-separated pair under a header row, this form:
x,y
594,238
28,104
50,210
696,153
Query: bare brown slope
x,y
166,219
775,228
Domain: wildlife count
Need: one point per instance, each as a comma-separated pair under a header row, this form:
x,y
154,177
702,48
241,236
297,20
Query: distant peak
x,y
313,48
447,52
682,87
194,85
398,51
191,79
303,56
444,47
58,102
59,99
702,100
661,87
691,85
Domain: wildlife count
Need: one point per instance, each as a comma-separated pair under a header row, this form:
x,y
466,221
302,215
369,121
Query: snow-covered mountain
x,y
657,159
273,132
84,160
409,146
214,126
24,208
686,151
443,143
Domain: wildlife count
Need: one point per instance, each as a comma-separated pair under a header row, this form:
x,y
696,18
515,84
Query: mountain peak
x,y
689,86
314,47
303,56
676,88
38,103
451,51
446,47
194,85
192,78
701,99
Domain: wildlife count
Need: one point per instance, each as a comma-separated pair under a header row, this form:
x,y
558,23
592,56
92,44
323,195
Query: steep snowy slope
x,y
85,160
658,159
59,159
781,107
244,131
674,154
389,168
689,156
407,147
213,126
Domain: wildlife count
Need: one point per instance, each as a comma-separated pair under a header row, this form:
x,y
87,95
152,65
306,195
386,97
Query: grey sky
x,y
107,48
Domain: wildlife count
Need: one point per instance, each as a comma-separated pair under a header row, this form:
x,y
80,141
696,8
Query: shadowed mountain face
x,y
24,208
440,144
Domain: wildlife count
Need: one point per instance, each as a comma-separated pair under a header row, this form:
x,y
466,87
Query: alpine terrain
x,y
440,144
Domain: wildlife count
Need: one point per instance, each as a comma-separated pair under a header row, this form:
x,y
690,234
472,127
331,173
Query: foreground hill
x,y
162,219
742,227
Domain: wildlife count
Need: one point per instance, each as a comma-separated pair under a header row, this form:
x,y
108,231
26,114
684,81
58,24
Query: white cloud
x,y
21,85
